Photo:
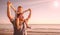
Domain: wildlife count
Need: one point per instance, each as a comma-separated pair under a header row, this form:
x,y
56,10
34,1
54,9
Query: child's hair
x,y
19,6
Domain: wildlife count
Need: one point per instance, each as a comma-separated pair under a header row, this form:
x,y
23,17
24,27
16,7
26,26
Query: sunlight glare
x,y
56,4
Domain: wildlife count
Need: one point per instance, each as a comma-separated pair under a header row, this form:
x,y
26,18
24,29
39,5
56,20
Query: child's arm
x,y
12,7
28,15
26,20
25,10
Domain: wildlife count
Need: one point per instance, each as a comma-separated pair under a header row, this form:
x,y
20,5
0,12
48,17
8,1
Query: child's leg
x,y
26,22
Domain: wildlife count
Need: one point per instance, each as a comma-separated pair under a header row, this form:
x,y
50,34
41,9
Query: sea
x,y
36,29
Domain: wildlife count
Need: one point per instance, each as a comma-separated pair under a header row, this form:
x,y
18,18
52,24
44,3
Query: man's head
x,y
19,9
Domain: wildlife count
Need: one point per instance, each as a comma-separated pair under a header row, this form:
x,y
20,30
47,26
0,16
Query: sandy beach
x,y
36,29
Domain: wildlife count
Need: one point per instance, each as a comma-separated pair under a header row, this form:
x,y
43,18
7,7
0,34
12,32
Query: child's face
x,y
19,9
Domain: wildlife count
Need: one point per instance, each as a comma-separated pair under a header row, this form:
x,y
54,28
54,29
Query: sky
x,y
43,11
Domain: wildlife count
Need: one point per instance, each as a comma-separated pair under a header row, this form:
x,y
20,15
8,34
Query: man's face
x,y
21,17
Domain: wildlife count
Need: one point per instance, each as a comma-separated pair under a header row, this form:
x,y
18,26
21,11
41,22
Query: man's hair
x,y
19,6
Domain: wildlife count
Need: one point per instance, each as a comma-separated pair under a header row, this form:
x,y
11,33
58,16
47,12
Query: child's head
x,y
20,14
19,9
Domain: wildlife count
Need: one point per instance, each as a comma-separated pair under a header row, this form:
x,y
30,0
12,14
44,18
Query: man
x,y
18,22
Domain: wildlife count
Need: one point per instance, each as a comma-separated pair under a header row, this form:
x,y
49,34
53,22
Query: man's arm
x,y
8,11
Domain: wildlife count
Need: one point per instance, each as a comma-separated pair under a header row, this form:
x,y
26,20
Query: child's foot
x,y
28,27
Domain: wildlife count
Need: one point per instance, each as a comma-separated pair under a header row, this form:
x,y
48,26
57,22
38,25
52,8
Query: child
x,y
21,19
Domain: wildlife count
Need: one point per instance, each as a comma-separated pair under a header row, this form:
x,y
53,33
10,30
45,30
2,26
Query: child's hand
x,y
29,9
9,3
